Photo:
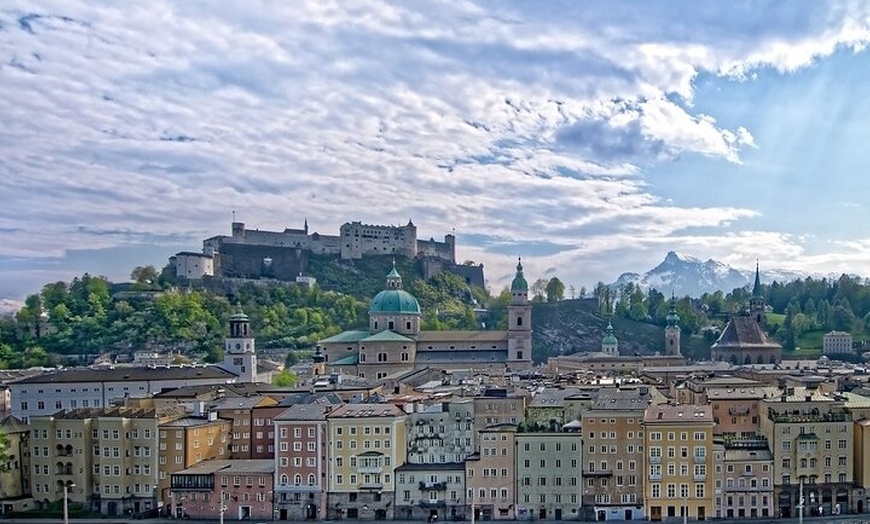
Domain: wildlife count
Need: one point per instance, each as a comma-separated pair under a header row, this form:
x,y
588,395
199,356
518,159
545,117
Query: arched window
x,y
519,321
404,356
311,479
362,357
297,479
284,479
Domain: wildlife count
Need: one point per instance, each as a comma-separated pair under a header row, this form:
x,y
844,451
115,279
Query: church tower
x,y
756,302
672,330
319,358
239,354
519,322
609,344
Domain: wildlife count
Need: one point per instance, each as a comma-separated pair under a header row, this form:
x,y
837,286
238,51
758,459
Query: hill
x,y
570,326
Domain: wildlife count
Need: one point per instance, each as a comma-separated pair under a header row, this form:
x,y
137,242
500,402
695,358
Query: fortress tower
x,y
519,322
240,356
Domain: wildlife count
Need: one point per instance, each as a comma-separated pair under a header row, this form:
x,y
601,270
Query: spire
x,y
306,225
519,282
673,319
756,288
394,279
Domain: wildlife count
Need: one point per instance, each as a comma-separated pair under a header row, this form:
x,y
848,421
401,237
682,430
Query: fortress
x,y
283,255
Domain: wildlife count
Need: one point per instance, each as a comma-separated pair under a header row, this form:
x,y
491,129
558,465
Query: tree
x,y
146,275
539,290
555,290
285,379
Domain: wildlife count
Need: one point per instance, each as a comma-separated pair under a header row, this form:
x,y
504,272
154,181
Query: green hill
x,y
570,326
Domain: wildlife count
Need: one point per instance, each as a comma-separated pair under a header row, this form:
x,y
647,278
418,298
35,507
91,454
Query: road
x,y
841,519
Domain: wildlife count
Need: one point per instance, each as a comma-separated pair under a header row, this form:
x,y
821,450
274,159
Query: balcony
x,y
437,486
371,486
700,477
433,503
655,460
370,469
297,488
808,417
655,476
699,459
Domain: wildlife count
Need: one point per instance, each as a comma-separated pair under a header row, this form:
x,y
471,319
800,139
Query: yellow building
x,y
105,456
679,462
811,436
366,443
184,442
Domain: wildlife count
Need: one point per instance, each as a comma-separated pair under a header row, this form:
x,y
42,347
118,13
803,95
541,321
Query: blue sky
x,y
589,137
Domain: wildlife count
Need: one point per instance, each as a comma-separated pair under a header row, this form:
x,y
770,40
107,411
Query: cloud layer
x,y
512,122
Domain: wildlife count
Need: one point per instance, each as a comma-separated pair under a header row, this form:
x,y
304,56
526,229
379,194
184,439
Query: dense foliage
x,y
807,305
91,316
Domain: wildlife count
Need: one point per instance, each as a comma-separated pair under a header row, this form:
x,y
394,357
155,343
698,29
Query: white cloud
x,y
136,123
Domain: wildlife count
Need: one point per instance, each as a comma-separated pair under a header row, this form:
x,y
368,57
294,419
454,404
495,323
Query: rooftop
x,y
681,413
188,422
305,412
150,373
744,332
118,412
365,410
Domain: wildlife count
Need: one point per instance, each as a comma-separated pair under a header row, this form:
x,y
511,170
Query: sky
x,y
590,138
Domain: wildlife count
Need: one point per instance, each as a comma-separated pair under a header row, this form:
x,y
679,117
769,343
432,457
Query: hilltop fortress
x,y
283,255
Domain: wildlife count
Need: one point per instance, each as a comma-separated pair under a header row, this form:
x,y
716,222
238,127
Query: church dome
x,y
394,301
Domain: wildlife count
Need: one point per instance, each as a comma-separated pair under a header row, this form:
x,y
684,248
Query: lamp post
x,y
223,507
66,502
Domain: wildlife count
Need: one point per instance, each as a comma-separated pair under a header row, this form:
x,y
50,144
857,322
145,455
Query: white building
x,y
48,393
837,343
193,266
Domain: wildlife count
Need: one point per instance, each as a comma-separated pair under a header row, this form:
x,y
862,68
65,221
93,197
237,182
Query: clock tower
x,y
239,354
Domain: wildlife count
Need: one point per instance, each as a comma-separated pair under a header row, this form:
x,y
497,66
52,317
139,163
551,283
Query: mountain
x,y
9,306
688,275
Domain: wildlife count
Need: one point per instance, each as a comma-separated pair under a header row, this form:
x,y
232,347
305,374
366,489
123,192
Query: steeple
x,y
609,344
672,329
756,302
394,279
519,282
756,287
673,319
306,225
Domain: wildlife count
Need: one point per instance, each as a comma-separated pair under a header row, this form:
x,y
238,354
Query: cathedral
x,y
743,341
394,342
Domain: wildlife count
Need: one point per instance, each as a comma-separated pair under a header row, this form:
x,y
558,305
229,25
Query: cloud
x,y
131,124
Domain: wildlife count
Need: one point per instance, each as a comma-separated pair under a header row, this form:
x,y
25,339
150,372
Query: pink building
x,y
246,487
300,462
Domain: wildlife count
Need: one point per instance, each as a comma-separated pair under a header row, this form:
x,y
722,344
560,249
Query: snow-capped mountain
x,y
688,275
9,306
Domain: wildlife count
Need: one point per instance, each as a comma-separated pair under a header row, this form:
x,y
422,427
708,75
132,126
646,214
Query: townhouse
x,y
548,471
301,461
490,474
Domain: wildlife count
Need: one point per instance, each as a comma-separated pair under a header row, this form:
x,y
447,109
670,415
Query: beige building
x,y
367,442
15,472
187,441
394,342
499,406
679,462
613,454
490,474
107,456
811,436
549,474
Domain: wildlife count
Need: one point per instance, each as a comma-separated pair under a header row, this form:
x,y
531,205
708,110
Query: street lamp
x,y
223,507
65,501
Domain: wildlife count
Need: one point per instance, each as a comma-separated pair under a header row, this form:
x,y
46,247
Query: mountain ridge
x,y
687,275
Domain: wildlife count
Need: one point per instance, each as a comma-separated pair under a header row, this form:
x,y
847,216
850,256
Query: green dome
x,y
519,282
394,301
673,318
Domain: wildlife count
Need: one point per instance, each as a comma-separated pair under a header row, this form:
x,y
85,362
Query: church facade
x,y
744,341
394,342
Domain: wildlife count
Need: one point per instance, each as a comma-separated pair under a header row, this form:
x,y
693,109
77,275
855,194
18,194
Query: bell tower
x,y
672,330
239,353
519,322
756,302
